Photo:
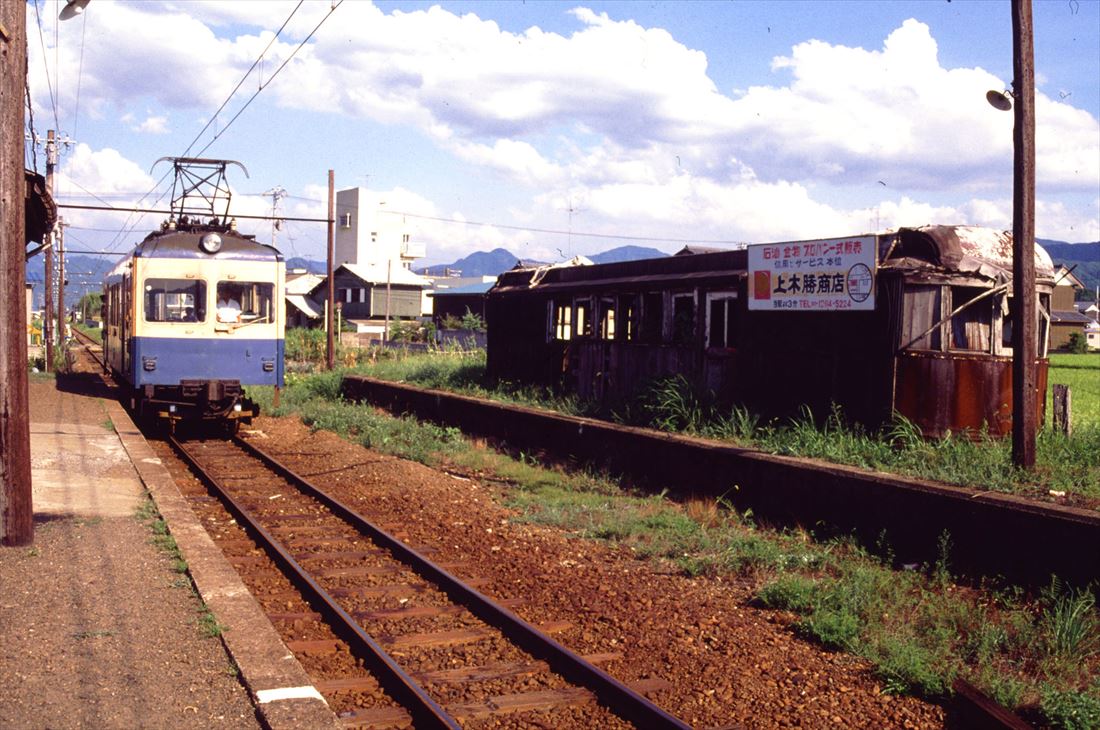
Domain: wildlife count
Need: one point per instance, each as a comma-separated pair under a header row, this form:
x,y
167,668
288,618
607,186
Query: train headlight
x,y
211,243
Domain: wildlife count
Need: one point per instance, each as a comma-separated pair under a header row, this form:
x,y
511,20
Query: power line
x,y
46,65
127,227
654,239
80,71
117,209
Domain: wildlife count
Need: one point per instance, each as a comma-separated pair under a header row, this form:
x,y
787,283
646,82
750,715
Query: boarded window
x,y
922,311
972,328
721,313
683,319
652,318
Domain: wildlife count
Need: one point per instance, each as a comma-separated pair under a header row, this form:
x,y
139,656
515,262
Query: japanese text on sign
x,y
830,275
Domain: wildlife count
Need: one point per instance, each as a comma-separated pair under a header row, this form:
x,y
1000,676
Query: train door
x,y
126,322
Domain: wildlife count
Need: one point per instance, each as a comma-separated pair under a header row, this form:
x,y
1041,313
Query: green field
x,y
1082,374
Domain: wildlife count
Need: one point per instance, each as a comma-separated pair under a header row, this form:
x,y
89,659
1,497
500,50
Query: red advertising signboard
x,y
829,275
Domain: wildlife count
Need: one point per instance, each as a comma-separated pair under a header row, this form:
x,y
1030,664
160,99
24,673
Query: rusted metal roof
x,y
965,249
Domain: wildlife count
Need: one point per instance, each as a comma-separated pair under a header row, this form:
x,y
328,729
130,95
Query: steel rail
x,y
612,693
424,710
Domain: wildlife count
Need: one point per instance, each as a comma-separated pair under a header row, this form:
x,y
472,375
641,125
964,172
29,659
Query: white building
x,y
368,234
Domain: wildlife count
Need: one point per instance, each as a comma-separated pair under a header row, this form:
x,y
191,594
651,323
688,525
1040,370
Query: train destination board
x,y
829,275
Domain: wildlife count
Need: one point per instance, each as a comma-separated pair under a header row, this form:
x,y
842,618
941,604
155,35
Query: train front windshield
x,y
175,300
246,302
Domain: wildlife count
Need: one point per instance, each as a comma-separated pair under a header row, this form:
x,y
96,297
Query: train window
x,y
562,321
583,317
628,317
683,319
607,319
721,311
1043,317
920,328
652,318
175,300
971,329
246,301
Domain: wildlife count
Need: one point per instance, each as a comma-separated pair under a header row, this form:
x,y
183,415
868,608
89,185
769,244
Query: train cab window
x,y
175,300
971,328
246,302
721,314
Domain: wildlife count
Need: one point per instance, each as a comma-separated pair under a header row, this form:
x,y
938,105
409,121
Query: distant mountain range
x,y
499,260
86,273
1083,258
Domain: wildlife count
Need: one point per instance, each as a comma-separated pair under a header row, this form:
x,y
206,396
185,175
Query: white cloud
x,y
625,117
153,125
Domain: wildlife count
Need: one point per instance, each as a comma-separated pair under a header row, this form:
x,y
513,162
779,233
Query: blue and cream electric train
x,y
193,315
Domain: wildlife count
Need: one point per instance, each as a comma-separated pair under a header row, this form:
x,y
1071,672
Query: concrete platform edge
x,y
264,662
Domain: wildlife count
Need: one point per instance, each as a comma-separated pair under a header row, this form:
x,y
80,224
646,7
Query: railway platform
x,y
100,627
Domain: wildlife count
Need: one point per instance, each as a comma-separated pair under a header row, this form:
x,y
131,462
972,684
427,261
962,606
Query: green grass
x,y
94,332
917,628
1082,374
1064,464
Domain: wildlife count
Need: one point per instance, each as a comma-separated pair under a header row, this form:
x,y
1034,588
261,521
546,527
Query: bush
x,y
1077,343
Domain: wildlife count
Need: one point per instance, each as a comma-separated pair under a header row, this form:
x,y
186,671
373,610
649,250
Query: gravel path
x,y
98,630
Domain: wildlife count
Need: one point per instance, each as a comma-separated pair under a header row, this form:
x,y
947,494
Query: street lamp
x,y
73,8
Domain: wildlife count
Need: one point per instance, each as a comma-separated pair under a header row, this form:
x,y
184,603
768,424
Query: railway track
x,y
398,637
433,661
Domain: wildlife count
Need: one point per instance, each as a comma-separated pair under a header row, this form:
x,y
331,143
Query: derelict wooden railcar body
x,y
936,347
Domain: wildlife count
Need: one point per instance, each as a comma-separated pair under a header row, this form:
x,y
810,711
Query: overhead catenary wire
x,y
243,78
264,85
128,227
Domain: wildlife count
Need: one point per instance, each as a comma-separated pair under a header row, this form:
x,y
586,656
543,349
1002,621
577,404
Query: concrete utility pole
x,y
47,307
16,515
1024,336
277,193
60,287
330,347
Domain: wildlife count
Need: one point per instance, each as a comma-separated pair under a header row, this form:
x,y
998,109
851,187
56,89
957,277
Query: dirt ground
x,y
728,664
98,630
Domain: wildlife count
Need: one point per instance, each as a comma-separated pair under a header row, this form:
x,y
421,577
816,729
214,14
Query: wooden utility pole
x,y
330,347
1024,319
16,515
48,330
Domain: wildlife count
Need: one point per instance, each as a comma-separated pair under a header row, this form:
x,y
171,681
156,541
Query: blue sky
x,y
657,122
